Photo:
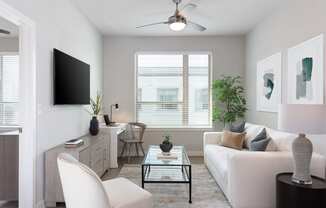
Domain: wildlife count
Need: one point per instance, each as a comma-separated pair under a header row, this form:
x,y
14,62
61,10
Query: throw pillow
x,y
239,128
233,140
260,142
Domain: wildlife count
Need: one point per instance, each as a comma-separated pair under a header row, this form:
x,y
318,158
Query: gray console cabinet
x,y
9,148
94,154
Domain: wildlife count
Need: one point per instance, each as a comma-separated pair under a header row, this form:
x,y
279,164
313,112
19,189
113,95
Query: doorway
x,y
25,110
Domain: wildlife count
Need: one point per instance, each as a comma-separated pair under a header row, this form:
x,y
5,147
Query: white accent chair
x,y
248,178
82,188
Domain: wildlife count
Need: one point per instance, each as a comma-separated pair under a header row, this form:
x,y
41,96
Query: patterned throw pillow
x,y
260,142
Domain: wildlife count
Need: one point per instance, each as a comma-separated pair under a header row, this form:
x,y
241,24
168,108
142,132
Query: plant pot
x,y
166,148
94,126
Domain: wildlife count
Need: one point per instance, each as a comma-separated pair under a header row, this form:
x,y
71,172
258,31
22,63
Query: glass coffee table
x,y
163,170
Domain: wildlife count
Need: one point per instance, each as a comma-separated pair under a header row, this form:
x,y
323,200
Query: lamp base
x,y
302,152
301,182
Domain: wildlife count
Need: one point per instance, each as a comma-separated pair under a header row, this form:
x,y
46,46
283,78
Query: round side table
x,y
292,195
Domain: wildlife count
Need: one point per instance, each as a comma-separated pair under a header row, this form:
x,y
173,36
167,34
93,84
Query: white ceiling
x,y
221,17
6,25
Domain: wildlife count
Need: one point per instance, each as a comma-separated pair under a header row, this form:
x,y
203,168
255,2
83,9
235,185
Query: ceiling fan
x,y
178,22
6,32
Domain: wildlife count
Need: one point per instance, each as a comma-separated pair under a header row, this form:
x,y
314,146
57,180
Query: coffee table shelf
x,y
156,170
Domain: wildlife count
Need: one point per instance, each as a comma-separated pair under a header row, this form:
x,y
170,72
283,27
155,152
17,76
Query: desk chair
x,y
132,139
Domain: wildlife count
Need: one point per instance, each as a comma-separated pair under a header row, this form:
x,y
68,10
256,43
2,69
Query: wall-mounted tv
x,y
71,80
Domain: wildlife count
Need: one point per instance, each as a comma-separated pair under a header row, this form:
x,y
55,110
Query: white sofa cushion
x,y
219,157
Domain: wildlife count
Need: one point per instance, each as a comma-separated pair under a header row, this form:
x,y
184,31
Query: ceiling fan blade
x,y
188,7
197,26
157,23
4,32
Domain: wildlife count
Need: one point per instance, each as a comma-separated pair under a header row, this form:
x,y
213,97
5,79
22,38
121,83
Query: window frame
x,y
185,87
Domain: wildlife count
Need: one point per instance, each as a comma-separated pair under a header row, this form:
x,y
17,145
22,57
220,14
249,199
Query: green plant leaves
x,y
96,104
229,101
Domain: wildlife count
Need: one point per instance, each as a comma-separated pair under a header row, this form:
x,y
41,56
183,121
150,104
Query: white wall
x,y
293,24
60,25
9,44
119,74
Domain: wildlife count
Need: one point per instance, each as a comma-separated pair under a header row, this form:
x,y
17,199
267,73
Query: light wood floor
x,y
111,174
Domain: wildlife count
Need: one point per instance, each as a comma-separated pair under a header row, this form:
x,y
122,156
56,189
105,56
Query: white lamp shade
x,y
307,119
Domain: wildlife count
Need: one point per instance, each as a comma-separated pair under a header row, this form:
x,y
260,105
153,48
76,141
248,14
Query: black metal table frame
x,y
146,168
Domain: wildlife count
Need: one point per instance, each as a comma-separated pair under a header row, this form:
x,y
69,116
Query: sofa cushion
x,y
219,157
282,140
238,128
233,140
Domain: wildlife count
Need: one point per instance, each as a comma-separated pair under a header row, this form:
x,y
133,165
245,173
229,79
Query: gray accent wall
x,y
9,44
119,75
294,23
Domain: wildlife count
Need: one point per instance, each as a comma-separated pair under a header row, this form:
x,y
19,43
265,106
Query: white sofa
x,y
248,178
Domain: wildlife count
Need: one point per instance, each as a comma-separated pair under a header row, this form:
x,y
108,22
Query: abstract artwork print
x,y
305,79
269,83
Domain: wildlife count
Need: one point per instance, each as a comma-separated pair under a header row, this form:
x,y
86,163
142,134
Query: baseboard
x,y
40,204
195,153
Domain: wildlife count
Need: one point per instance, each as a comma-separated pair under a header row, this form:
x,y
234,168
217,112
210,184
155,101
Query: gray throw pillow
x,y
260,142
239,128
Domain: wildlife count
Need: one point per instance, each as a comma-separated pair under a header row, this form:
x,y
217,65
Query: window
x,y
174,90
9,89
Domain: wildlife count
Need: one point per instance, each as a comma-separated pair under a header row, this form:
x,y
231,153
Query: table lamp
x,y
302,119
116,107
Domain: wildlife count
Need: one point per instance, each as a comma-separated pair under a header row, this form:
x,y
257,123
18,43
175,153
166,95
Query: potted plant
x,y
166,145
229,100
96,105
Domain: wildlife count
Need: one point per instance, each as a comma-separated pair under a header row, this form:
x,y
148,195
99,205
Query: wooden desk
x,y
112,134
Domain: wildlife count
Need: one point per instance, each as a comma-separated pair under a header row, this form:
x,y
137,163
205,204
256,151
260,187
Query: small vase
x,y
166,148
302,151
94,126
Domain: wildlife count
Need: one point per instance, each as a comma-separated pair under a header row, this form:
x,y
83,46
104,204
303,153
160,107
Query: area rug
x,y
205,192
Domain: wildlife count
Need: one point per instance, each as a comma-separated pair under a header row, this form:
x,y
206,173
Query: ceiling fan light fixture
x,y
177,26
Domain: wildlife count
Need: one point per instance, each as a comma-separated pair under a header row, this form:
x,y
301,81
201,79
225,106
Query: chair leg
x,y
137,151
123,149
142,149
129,153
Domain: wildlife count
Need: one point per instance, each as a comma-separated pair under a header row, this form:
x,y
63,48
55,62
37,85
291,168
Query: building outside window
x,y
201,99
175,90
9,89
168,97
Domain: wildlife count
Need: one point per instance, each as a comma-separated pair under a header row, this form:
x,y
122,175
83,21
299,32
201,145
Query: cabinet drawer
x,y
85,157
98,151
98,167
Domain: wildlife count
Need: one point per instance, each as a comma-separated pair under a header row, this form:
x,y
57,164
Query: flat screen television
x,y
71,80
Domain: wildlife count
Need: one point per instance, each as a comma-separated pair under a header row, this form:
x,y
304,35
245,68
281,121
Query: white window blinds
x,y
173,90
9,89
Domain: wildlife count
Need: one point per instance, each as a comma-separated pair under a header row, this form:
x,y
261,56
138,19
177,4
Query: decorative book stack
x,y
74,143
165,156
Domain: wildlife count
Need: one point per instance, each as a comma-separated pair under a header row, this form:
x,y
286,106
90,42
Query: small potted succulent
x,y
166,145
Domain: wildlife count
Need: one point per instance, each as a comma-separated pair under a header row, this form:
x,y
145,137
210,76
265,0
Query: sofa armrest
x,y
212,138
251,178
